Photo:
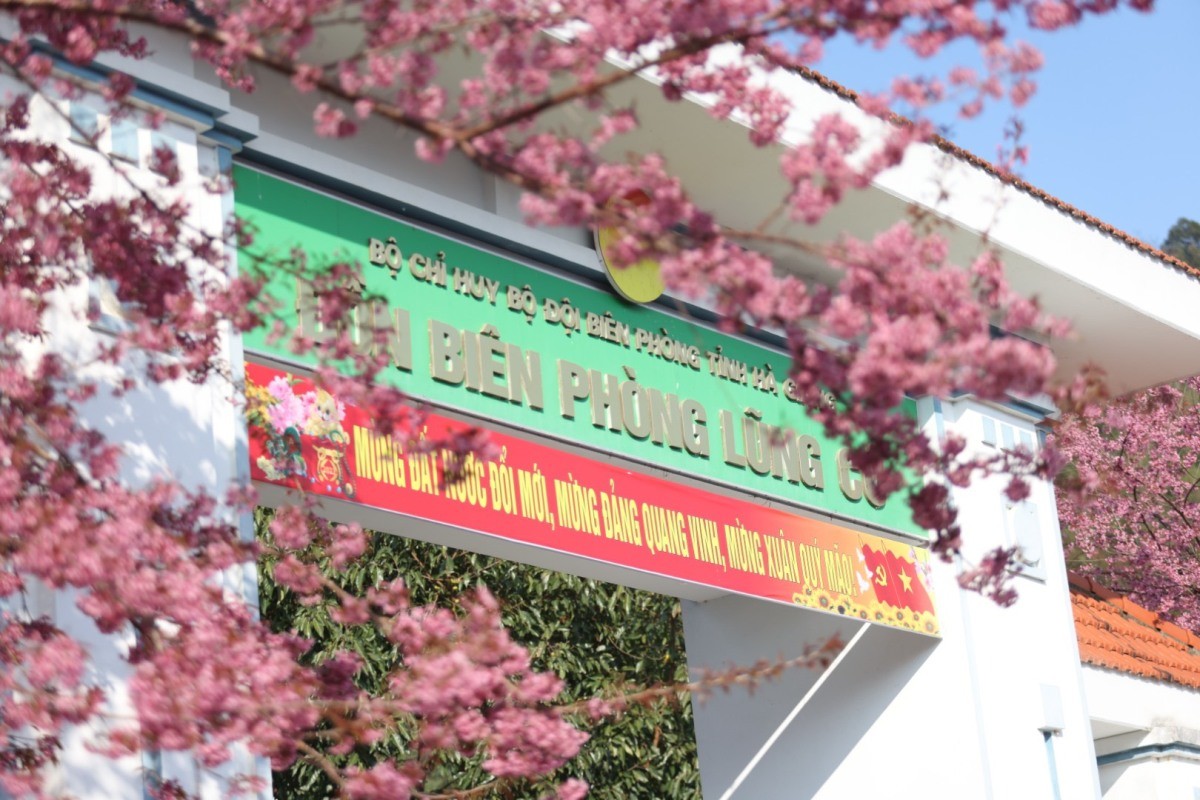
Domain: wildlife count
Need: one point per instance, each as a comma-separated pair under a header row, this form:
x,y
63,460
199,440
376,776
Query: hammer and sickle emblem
x,y
881,576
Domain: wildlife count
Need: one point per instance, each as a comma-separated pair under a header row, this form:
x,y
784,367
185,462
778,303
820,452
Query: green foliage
x,y
597,637
1183,241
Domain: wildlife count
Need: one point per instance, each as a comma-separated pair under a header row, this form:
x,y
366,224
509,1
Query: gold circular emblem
x,y
640,282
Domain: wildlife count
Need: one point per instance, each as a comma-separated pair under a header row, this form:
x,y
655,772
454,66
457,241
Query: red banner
x,y
307,439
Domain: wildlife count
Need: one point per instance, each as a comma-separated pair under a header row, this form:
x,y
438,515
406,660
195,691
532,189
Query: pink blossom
x,y
288,411
332,122
897,318
572,789
1126,502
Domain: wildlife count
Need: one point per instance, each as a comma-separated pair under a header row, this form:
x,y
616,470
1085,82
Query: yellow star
x,y
906,579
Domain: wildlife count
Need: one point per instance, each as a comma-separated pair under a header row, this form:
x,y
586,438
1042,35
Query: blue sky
x,y
1115,126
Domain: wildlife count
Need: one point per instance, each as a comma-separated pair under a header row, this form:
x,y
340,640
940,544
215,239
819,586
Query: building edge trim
x,y
1190,752
207,117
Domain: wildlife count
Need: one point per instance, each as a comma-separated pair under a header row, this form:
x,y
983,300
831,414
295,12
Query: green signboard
x,y
471,330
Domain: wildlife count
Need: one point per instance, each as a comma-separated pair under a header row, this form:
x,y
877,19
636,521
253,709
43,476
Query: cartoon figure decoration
x,y
324,415
299,426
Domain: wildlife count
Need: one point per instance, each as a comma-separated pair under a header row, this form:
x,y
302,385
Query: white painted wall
x,y
914,718
1169,776
176,431
1161,763
1158,755
1115,698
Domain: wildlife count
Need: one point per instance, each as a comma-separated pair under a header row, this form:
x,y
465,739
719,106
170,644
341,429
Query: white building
x,y
1141,676
996,706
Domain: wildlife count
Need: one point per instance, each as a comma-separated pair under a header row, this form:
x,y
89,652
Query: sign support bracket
x,y
795,712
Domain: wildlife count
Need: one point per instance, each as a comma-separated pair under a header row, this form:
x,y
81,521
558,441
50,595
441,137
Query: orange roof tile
x,y
1016,182
1118,634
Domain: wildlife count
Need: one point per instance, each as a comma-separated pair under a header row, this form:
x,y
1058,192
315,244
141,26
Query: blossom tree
x,y
145,558
1130,499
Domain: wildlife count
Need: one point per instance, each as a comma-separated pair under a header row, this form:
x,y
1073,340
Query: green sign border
x,y
285,215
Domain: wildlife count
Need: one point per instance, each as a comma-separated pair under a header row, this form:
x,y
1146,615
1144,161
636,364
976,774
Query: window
x,y
106,312
125,140
159,142
1023,526
85,124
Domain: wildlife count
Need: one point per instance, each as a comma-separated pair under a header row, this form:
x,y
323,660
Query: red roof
x,y
1116,633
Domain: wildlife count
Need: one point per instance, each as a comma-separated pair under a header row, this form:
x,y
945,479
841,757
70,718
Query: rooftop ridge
x,y
1132,609
1116,633
1005,176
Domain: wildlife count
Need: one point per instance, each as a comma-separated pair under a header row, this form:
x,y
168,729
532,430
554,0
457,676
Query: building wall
x,y
1167,776
963,717
899,715
178,431
1147,740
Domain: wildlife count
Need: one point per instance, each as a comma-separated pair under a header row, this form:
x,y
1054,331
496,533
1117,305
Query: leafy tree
x,y
146,558
601,639
1183,241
